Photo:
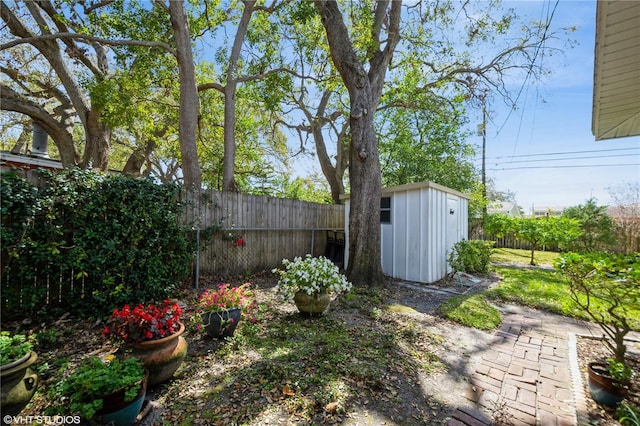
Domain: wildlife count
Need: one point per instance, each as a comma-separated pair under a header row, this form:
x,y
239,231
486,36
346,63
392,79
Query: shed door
x,y
453,231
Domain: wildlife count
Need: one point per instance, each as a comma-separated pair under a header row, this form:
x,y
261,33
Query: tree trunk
x,y
138,158
365,89
189,103
96,151
364,268
229,159
331,173
98,135
59,130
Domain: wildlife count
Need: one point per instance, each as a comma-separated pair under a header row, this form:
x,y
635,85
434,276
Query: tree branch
x,y
30,40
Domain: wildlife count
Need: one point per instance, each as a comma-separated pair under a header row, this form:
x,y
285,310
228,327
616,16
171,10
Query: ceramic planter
x,y
603,389
311,304
19,384
116,411
161,357
221,324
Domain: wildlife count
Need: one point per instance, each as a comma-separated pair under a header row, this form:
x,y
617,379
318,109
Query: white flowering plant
x,y
311,275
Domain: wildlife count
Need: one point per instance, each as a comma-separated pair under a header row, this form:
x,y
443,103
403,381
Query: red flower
x,y
143,322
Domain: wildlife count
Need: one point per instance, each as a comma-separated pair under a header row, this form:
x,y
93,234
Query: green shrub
x,y
90,242
471,256
628,415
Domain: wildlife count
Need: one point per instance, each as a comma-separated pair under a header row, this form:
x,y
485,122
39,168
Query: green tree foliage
x,y
426,144
117,239
538,232
598,228
607,288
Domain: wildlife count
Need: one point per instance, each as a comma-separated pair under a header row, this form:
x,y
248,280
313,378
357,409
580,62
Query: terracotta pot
x,y
221,324
314,304
603,389
116,411
19,384
161,357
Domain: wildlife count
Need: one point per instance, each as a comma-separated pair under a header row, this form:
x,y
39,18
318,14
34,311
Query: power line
x,y
565,153
562,159
566,167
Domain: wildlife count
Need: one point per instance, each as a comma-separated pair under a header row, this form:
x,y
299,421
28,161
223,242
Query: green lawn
x,y
537,288
506,255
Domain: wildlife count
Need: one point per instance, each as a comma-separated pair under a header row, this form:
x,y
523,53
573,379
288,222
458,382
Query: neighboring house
x,y
27,163
510,209
541,211
630,211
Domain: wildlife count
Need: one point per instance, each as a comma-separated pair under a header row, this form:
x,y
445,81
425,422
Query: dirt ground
x,y
429,399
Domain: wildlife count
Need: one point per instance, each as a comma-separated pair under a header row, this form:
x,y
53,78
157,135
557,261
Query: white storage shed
x,y
419,224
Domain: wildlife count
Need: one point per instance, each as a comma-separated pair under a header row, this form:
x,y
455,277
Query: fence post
x,y
197,274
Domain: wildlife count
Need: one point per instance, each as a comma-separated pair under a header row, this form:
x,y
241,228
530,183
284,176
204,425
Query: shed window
x,y
385,210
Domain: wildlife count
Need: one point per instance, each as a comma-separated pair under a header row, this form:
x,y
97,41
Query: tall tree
x,y
426,144
365,90
84,71
597,226
39,27
188,93
262,62
433,61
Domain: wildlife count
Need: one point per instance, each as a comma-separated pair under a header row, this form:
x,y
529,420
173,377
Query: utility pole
x,y
484,152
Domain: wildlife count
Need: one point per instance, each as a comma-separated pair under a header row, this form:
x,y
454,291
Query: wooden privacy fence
x,y
242,233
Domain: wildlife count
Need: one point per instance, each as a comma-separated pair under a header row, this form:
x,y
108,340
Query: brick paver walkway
x,y
525,377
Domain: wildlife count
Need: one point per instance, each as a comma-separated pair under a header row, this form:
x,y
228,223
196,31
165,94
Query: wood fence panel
x,y
270,228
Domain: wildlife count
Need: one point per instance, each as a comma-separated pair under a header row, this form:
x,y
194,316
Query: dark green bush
x,y
471,256
89,242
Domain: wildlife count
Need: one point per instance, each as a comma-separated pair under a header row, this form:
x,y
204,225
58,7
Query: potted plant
x,y
19,382
151,333
218,310
605,286
309,282
110,391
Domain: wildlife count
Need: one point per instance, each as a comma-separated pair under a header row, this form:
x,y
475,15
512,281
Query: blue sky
x,y
554,117
538,151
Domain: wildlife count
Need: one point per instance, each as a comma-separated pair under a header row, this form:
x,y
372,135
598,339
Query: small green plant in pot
x,y
607,288
13,348
309,282
18,381
97,388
